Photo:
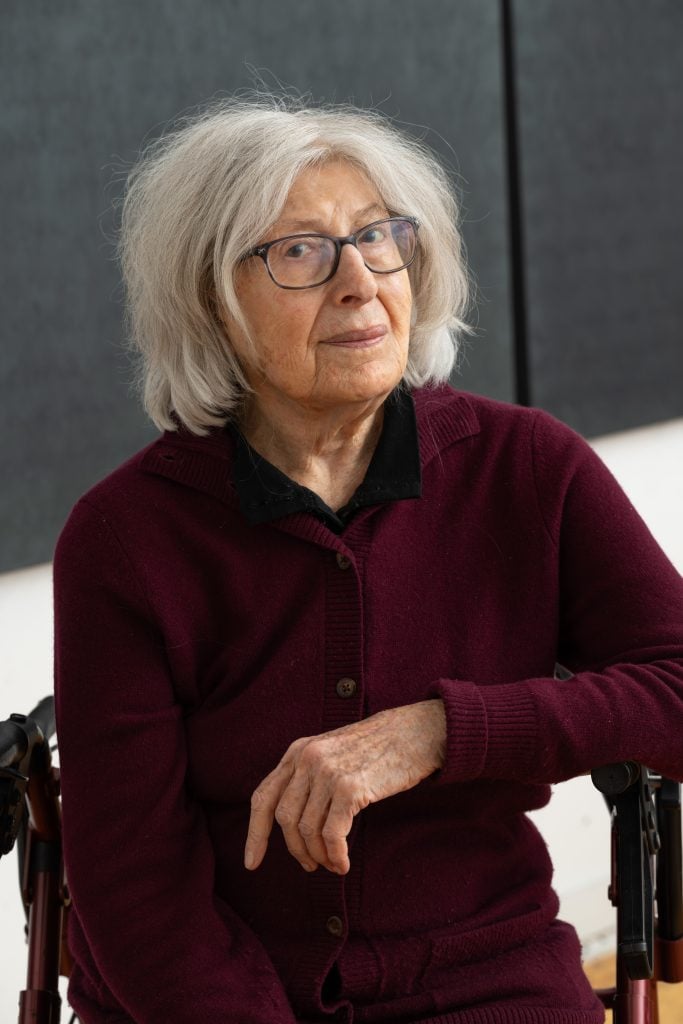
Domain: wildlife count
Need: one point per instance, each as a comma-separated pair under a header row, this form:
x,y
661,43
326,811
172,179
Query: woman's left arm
x,y
621,632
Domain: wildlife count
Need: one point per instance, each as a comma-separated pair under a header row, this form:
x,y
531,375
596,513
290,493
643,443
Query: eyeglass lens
x,y
305,260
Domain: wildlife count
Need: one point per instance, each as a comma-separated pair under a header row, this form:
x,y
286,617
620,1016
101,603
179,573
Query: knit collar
x,y
266,494
444,417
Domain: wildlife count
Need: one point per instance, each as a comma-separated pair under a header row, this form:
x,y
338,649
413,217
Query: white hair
x,y
210,189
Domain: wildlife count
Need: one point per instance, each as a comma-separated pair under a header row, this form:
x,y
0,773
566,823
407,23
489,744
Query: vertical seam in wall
x,y
515,212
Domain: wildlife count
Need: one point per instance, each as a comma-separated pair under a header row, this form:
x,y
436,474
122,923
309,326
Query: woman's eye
x,y
373,236
297,251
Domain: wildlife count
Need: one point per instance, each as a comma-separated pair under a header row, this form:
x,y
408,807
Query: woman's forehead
x,y
326,193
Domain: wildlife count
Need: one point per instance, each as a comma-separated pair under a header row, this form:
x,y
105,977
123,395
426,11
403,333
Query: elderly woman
x,y
306,639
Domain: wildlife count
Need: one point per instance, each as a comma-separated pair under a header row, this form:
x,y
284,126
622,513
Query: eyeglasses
x,y
308,260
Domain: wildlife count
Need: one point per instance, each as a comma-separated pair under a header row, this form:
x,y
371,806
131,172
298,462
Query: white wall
x,y
649,464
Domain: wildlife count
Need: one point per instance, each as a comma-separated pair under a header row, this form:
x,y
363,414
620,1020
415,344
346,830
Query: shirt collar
x,y
265,493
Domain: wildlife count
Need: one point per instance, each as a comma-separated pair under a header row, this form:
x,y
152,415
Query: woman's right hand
x,y
323,781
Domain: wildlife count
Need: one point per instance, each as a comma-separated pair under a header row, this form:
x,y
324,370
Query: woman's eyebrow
x,y
297,225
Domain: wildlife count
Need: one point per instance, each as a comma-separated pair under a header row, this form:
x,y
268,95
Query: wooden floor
x,y
601,975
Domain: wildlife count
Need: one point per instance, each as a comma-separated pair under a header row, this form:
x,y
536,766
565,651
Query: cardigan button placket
x,y
333,899
343,639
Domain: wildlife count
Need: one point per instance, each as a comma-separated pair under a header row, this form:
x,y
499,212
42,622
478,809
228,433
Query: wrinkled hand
x,y
323,781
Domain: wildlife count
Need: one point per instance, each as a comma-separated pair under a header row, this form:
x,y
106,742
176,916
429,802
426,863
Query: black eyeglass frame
x,y
339,242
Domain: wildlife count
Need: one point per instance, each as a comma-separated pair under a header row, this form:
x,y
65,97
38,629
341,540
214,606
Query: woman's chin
x,y
375,378
367,388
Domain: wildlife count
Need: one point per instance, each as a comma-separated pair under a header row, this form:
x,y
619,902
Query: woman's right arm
x,y
139,860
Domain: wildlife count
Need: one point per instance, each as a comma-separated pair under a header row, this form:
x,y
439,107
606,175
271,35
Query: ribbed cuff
x,y
491,731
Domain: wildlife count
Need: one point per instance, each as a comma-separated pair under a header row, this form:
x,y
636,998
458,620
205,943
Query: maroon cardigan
x,y
193,647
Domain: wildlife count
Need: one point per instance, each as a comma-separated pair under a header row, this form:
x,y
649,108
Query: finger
x,y
326,791
264,800
310,829
288,813
335,832
313,818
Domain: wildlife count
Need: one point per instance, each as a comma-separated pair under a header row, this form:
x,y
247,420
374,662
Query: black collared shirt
x,y
266,493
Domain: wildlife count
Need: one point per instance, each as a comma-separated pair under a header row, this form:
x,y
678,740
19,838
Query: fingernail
x,y
308,866
249,860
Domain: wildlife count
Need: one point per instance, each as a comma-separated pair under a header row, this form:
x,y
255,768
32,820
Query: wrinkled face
x,y
345,341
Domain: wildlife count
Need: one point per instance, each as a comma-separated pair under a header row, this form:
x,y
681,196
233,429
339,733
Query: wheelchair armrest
x,y
21,737
646,825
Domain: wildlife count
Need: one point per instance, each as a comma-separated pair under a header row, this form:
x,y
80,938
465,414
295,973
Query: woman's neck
x,y
327,451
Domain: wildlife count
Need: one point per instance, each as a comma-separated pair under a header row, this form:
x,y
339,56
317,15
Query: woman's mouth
x,y
359,338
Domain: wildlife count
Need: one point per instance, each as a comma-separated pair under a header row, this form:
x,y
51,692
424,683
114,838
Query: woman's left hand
x,y
323,781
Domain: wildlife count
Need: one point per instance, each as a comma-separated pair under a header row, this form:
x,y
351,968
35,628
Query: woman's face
x,y
304,349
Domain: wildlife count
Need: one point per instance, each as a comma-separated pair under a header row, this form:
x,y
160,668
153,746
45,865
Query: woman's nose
x,y
353,281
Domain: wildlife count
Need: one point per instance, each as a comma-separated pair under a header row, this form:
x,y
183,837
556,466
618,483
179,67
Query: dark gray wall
x,y
600,103
598,90
83,83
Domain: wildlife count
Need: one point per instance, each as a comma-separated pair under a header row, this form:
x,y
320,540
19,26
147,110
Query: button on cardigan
x,y
192,647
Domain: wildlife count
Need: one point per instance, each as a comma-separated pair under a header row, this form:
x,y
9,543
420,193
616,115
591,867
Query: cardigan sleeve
x,y
620,632
137,852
